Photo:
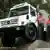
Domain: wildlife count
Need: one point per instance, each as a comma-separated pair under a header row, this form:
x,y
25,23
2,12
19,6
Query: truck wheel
x,y
7,41
30,32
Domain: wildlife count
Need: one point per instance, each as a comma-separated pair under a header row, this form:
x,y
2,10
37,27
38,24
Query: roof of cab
x,y
22,5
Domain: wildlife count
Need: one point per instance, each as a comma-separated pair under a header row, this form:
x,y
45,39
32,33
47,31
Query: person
x,y
41,22
48,21
48,28
41,19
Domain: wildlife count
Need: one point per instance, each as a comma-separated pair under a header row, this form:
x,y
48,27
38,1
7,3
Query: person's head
x,y
49,17
40,14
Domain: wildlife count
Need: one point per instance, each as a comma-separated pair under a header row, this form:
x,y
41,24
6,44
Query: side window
x,y
33,13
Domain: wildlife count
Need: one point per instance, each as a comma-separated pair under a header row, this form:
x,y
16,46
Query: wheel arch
x,y
33,24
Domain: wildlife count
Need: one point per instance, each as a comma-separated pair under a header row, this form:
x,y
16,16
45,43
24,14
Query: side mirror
x,y
27,17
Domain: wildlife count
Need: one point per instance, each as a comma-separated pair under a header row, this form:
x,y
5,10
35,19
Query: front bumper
x,y
13,31
15,28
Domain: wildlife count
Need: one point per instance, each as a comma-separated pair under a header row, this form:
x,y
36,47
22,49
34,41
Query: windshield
x,y
19,11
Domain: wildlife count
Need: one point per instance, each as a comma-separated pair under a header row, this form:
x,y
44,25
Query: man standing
x,y
48,22
48,28
41,22
40,19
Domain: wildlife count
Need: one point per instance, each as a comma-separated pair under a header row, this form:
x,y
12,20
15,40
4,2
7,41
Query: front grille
x,y
8,22
14,21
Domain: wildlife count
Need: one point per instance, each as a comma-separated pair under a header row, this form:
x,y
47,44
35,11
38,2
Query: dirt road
x,y
29,46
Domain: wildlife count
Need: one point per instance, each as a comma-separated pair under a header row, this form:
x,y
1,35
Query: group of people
x,y
42,21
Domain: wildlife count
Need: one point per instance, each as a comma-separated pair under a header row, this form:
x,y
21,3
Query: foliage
x,y
5,5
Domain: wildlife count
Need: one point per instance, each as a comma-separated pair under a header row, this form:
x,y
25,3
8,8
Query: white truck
x,y
21,21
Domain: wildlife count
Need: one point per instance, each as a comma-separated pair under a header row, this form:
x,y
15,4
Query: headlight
x,y
3,22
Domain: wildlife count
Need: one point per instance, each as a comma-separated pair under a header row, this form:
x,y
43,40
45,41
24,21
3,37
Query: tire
x,y
30,32
7,41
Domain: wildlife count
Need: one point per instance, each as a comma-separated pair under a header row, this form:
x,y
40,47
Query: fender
x,y
33,24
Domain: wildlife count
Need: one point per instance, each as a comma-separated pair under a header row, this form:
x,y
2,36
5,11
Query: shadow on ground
x,y
22,44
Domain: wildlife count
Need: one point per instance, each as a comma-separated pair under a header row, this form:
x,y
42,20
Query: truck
x,y
21,21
